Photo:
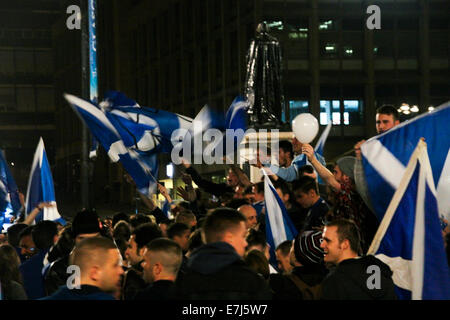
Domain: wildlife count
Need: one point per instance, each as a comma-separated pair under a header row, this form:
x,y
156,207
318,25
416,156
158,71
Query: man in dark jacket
x,y
98,268
216,270
355,277
162,261
44,235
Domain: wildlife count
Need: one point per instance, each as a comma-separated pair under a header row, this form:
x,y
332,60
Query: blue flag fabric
x,y
385,157
40,187
9,194
409,238
141,166
279,226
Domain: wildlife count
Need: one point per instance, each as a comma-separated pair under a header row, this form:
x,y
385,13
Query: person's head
x,y
283,191
285,153
162,260
386,118
340,240
296,145
249,195
13,233
122,230
187,217
232,178
26,243
44,234
282,253
306,249
85,224
256,240
250,215
9,265
307,170
258,190
138,219
195,241
99,263
63,246
226,225
139,239
306,191
343,171
257,261
179,232
119,216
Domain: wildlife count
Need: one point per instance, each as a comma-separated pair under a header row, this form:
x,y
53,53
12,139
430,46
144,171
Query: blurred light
x,y
330,48
404,107
430,108
12,164
415,109
406,112
169,170
399,110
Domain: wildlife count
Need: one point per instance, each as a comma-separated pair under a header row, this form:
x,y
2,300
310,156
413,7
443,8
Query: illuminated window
x,y
295,108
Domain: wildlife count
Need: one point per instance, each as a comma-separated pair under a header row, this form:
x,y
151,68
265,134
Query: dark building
x,y
27,93
178,55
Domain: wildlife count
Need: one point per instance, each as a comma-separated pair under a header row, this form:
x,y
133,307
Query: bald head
x,y
250,215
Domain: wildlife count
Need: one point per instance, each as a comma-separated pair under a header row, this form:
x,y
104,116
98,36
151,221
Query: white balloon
x,y
305,127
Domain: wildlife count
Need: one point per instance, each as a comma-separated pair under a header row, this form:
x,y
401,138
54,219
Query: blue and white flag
x,y
9,194
40,187
141,166
385,158
279,226
323,138
409,238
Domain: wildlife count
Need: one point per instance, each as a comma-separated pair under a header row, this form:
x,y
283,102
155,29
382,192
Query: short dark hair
x,y
285,247
176,229
347,230
118,217
186,217
195,240
14,233
219,221
286,145
138,219
145,233
389,110
122,230
304,184
170,252
282,185
44,233
256,238
26,232
91,250
305,169
259,187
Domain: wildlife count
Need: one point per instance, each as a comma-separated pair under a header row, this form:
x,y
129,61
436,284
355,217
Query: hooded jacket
x,y
216,272
359,279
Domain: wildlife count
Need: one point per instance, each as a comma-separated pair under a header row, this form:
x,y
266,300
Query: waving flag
x,y
323,138
9,194
141,167
409,238
279,226
40,187
385,157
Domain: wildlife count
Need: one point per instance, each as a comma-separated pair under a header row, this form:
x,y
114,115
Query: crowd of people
x,y
213,249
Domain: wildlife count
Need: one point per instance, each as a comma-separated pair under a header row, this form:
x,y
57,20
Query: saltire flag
x,y
279,226
40,187
385,158
409,238
323,138
9,194
140,166
214,134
